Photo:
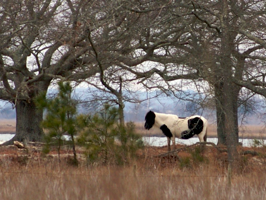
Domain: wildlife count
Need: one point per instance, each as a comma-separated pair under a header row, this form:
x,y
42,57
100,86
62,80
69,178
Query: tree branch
x,y
254,38
100,65
250,86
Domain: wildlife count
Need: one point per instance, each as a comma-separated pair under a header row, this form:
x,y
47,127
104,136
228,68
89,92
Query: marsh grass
x,y
121,183
145,178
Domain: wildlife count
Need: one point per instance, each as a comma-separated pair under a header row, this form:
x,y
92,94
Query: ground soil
x,y
251,158
188,156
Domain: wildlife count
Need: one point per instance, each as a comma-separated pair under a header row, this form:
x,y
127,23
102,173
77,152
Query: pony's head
x,y
149,120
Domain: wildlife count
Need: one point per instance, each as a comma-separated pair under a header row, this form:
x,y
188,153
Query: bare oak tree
x,y
40,41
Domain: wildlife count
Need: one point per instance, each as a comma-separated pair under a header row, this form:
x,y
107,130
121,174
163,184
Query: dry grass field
x,y
192,173
30,175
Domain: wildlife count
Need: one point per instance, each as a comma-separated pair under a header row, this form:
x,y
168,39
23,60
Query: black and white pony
x,y
173,126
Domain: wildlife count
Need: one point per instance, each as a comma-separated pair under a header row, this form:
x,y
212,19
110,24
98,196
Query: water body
x,y
5,137
162,141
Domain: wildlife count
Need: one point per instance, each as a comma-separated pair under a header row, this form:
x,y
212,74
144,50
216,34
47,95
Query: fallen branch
x,y
19,145
253,153
191,146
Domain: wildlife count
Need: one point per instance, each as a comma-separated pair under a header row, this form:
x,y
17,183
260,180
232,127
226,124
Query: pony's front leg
x,y
173,142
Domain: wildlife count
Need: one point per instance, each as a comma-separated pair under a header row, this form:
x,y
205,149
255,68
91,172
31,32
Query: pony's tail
x,y
205,136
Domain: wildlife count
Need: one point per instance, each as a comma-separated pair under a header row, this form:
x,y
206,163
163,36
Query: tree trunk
x,y
227,88
235,111
221,103
121,113
220,115
28,119
230,125
227,118
121,106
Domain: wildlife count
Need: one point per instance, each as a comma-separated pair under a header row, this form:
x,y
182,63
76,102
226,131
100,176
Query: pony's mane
x,y
149,120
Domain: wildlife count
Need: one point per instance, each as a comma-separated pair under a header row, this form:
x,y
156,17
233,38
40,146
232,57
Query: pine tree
x,y
60,118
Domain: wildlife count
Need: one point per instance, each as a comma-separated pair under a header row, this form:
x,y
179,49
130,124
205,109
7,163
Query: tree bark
x,y
227,118
222,101
28,119
230,122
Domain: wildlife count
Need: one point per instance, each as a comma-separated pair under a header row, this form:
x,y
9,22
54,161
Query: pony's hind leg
x,y
169,143
173,138
205,136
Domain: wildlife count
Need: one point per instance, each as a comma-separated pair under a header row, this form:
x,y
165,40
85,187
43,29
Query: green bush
x,y
257,143
197,155
185,163
106,140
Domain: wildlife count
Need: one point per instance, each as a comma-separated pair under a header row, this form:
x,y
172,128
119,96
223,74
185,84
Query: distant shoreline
x,y
161,136
8,126
7,132
212,136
